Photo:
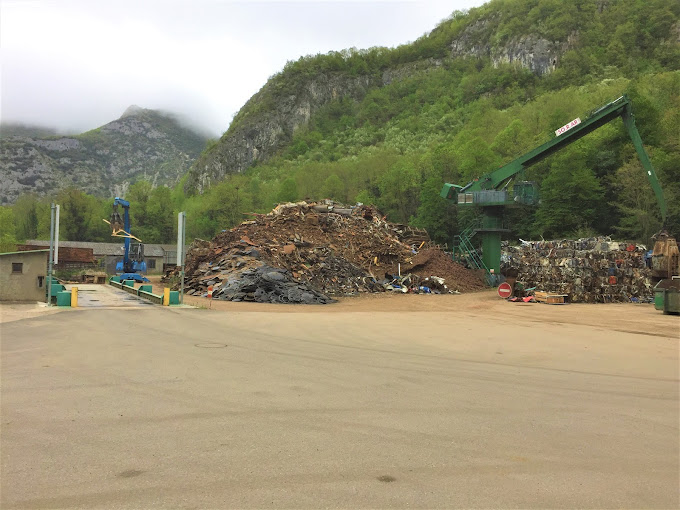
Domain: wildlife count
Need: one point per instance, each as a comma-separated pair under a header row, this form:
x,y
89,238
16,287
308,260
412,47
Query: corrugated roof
x,y
21,252
101,249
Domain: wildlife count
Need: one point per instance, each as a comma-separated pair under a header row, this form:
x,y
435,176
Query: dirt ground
x,y
380,401
483,305
16,311
622,317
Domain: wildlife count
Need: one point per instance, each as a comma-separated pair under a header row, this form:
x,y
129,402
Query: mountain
x,y
390,125
558,43
141,144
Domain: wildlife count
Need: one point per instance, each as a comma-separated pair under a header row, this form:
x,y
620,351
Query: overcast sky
x,y
78,64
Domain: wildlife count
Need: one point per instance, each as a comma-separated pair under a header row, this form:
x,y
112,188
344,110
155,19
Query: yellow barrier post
x,y
166,296
74,297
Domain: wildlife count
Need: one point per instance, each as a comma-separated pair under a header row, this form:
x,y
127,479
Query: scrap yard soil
x,y
377,401
478,306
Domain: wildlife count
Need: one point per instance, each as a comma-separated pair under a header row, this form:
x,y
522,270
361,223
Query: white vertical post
x,y
181,237
56,236
51,257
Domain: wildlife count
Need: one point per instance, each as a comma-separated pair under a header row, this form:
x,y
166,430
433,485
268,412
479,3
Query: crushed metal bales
x,y
591,270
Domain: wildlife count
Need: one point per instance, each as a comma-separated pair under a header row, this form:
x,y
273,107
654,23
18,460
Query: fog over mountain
x,y
75,65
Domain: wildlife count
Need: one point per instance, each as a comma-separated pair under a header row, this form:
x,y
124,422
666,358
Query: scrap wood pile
x,y
305,252
592,270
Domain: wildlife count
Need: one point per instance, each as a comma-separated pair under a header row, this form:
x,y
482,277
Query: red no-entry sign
x,y
505,290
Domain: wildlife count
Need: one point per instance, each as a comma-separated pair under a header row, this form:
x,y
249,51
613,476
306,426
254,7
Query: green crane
x,y
492,191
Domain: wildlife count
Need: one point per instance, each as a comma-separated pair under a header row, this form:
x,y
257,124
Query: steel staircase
x,y
463,249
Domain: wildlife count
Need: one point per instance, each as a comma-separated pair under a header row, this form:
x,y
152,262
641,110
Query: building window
x,y
41,280
151,263
17,267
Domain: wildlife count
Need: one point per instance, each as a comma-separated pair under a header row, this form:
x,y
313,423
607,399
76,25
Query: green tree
x,y
288,191
399,191
512,141
25,211
333,188
436,214
8,240
139,196
636,203
78,215
571,196
160,216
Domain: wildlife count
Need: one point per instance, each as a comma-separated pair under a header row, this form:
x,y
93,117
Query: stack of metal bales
x,y
591,270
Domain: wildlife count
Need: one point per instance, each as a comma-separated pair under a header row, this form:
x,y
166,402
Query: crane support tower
x,y
492,191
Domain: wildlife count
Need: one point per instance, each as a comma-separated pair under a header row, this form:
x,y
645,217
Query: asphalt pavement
x,y
151,407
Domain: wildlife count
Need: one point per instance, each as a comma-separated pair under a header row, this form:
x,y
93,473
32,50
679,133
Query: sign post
x,y
56,236
181,238
505,290
51,257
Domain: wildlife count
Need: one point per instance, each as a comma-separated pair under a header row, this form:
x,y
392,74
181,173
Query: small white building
x,y
23,275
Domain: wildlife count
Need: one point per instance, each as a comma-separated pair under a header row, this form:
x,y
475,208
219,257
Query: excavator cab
x,y
526,192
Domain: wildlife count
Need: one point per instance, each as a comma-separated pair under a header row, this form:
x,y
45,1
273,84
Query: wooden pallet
x,y
551,299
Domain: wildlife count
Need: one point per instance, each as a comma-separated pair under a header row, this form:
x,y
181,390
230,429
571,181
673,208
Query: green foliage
x,y
399,190
153,212
333,188
8,240
571,195
80,216
288,191
26,210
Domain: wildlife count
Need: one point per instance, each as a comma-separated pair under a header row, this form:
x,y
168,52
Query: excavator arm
x,y
629,122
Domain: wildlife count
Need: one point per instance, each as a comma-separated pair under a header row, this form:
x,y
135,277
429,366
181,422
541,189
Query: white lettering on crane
x,y
567,127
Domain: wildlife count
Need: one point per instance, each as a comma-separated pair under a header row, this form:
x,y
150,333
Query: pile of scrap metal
x,y
321,249
592,270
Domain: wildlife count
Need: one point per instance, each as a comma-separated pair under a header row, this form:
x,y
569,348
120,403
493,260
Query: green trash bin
x,y
659,294
174,297
64,298
56,288
667,296
671,304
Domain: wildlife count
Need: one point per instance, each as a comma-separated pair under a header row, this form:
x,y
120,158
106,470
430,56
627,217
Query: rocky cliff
x,y
539,55
140,144
262,131
268,120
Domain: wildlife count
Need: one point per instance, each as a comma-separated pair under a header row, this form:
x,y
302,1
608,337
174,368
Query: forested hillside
x,y
390,126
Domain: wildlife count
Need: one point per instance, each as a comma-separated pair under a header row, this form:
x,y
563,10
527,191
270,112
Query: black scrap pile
x,y
266,284
592,270
323,249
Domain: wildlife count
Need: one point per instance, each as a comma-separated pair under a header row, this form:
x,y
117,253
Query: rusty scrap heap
x,y
306,252
593,270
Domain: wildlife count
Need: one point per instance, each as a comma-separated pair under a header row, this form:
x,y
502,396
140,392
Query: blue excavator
x,y
133,257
